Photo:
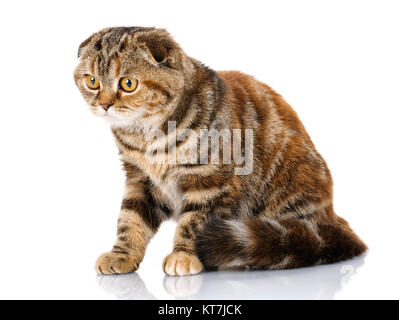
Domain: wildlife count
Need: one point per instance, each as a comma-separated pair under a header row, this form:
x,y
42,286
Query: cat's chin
x,y
134,121
119,122
116,121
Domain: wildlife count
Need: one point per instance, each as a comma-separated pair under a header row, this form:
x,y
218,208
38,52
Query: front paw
x,y
182,264
116,263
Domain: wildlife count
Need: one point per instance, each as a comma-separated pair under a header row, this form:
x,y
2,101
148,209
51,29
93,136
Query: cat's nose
x,y
106,106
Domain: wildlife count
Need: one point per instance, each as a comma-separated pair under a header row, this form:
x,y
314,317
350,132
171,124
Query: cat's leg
x,y
139,219
129,248
183,260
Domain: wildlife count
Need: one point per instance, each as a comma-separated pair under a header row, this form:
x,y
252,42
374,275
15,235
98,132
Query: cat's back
x,y
255,104
281,143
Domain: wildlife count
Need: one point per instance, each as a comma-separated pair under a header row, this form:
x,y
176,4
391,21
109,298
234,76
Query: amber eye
x,y
128,84
92,82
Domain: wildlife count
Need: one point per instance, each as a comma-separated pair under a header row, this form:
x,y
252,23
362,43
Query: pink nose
x,y
106,106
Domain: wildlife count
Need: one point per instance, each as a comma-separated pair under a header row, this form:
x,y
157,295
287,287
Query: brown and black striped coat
x,y
280,215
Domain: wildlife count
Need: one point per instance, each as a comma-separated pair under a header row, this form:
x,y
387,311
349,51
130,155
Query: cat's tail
x,y
265,243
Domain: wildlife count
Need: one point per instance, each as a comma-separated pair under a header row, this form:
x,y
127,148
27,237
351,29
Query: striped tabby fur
x,y
279,216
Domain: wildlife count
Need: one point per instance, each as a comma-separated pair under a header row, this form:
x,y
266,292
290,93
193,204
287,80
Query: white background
x,y
335,62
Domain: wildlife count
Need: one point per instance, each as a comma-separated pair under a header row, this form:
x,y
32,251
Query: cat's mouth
x,y
118,116
111,111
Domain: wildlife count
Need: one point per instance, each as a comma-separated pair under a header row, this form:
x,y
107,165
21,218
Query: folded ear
x,y
84,44
162,52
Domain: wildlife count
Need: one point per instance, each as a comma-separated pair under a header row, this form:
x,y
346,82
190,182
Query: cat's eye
x,y
128,84
92,82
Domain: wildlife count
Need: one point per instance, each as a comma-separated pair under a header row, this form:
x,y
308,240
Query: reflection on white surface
x,y
125,287
320,282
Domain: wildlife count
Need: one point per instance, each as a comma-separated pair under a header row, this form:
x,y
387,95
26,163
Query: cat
x,y
277,214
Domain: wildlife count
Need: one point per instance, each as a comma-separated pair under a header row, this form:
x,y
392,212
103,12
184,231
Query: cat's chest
x,y
154,165
171,191
169,187
158,172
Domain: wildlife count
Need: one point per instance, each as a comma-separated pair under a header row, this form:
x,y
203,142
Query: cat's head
x,y
130,76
